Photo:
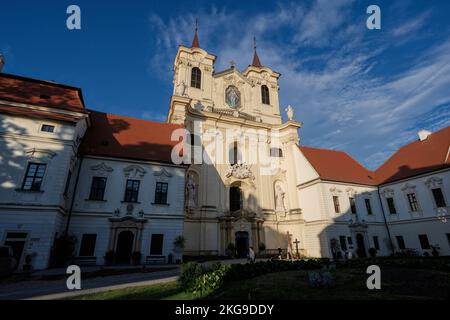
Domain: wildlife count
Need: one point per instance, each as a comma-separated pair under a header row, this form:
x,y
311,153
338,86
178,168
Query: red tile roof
x,y
128,138
417,158
40,93
256,62
38,114
337,166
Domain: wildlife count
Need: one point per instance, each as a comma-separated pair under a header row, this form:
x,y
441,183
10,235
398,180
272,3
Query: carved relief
x,y
39,154
433,182
134,171
240,171
102,168
162,175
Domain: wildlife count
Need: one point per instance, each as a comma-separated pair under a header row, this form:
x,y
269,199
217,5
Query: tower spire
x,y
195,42
256,62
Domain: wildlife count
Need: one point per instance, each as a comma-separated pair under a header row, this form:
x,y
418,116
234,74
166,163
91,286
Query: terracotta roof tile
x,y
417,158
40,93
128,138
337,166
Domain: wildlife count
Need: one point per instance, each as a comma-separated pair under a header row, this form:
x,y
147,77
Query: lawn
x,y
396,284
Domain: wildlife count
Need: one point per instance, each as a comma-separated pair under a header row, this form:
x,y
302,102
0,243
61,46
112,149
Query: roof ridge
x,y
46,82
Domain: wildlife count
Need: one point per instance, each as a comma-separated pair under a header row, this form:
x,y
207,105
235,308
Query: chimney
x,y
2,62
423,134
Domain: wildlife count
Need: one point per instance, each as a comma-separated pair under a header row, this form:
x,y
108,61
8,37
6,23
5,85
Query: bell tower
x,y
193,71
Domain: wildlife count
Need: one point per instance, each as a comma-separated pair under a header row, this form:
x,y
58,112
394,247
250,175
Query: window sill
x,y
132,202
95,200
29,191
160,204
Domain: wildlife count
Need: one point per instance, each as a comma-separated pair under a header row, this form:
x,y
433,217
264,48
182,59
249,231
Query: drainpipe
x,y
73,197
385,221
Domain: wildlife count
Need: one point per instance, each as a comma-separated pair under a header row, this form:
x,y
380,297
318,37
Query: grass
x,y
396,284
163,291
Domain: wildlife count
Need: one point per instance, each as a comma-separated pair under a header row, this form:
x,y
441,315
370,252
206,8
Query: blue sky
x,y
363,91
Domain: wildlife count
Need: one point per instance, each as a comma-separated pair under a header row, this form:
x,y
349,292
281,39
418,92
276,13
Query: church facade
x,y
225,172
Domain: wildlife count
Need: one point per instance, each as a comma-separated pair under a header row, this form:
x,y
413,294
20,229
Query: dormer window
x,y
47,128
265,94
196,78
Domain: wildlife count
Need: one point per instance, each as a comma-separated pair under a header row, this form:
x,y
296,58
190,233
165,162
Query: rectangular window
x,y
423,238
337,207
161,193
156,246
276,152
376,244
343,242
448,238
368,206
413,205
352,205
87,246
391,205
66,188
97,188
47,128
349,241
34,176
132,191
400,242
438,197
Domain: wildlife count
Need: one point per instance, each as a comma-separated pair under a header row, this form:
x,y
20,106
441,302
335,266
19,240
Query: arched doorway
x,y
235,198
241,244
124,247
361,247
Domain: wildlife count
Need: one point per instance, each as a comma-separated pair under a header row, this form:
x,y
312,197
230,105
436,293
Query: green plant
x,y
136,257
179,242
373,252
63,251
262,247
231,249
110,257
189,274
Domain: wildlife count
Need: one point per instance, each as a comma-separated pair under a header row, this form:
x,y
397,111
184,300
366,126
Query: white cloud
x,y
341,101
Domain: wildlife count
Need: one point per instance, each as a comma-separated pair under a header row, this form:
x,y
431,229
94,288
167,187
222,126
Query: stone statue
x,y
191,191
289,112
279,199
181,89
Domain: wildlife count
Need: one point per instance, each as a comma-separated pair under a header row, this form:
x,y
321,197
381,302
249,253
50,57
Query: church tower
x,y
235,195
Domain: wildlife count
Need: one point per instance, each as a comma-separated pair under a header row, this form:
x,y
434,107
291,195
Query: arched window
x,y
196,78
235,199
265,95
233,155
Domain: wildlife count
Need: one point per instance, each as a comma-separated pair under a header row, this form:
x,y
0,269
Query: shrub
x,y
109,257
136,257
63,251
373,252
189,274
178,243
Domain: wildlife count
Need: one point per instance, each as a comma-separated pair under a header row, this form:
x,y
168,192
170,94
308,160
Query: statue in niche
x,y
181,89
191,191
279,199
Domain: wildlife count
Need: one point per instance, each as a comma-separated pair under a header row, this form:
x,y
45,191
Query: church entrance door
x,y
124,247
361,249
242,244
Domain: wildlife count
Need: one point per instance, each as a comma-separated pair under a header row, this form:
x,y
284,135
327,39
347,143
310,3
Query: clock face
x,y
233,97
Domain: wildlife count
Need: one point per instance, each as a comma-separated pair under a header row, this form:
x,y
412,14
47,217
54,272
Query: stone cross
x,y
296,246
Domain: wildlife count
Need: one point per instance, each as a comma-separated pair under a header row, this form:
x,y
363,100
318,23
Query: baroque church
x,y
126,192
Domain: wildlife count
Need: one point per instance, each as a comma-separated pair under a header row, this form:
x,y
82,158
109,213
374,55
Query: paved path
x,y
56,289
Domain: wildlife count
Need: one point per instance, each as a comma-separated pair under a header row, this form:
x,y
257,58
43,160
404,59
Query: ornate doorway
x,y
242,243
124,248
361,247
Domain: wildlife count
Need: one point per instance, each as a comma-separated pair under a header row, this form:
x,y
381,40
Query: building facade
x,y
225,172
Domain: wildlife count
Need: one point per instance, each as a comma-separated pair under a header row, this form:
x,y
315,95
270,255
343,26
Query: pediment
x,y
134,171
